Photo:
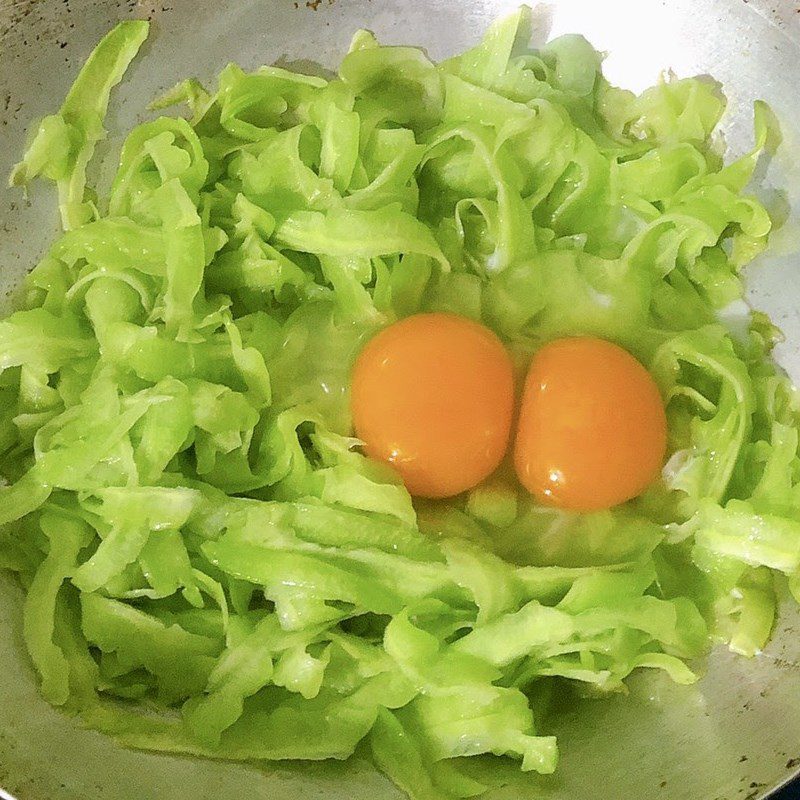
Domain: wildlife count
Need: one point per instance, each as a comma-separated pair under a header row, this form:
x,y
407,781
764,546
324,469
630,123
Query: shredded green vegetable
x,y
211,565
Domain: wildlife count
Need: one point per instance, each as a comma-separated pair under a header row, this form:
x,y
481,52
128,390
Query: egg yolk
x,y
433,395
592,430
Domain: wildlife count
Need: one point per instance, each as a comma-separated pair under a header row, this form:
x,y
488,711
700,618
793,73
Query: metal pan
x,y
733,736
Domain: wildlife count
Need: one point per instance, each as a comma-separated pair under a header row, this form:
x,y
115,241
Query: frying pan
x,y
733,736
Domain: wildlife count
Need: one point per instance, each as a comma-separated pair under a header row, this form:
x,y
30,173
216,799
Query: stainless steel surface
x,y
733,736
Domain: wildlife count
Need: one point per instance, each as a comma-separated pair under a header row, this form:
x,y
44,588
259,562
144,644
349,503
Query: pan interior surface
x,y
730,737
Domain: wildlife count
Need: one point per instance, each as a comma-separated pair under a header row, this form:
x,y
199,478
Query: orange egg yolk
x,y
433,395
592,430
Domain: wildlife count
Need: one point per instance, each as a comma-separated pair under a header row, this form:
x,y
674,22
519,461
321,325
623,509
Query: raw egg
x,y
592,430
433,395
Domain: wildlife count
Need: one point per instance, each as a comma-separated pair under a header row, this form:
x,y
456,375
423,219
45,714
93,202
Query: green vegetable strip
x,y
64,143
66,538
